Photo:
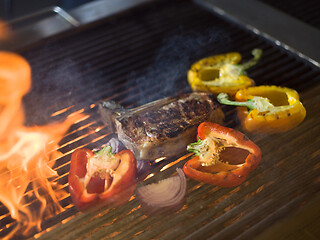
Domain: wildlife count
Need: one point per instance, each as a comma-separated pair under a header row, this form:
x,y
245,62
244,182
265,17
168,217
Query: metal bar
x,y
66,16
55,9
284,30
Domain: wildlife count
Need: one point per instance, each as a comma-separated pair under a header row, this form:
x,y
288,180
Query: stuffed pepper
x,y
267,109
102,178
222,73
223,156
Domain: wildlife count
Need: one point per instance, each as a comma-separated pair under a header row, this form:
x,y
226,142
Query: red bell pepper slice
x,y
101,179
224,156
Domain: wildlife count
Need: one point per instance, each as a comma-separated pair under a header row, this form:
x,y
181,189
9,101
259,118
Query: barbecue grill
x,y
142,53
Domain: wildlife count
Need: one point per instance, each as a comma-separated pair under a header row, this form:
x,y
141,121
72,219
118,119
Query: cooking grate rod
x,y
306,11
280,28
207,190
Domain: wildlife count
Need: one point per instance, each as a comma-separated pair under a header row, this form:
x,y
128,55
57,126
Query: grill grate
x,y
142,56
306,11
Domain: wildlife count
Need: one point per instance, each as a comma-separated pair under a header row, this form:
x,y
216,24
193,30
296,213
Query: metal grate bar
x,y
307,11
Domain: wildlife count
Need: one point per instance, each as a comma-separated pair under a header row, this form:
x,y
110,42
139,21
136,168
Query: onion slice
x,y
143,169
166,196
116,145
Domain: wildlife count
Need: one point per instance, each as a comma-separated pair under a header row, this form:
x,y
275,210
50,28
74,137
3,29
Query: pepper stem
x,y
257,52
223,98
107,150
195,147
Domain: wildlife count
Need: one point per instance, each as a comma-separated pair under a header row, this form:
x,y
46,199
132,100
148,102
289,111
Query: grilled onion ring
x,y
166,196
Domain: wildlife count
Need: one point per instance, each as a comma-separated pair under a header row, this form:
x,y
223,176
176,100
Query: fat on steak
x,y
162,128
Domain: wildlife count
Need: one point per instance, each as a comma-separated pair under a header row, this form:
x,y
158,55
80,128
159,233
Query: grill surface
x,y
306,11
142,56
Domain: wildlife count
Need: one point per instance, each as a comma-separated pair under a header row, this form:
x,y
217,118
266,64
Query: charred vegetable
x,y
166,196
267,109
101,179
144,168
224,156
222,73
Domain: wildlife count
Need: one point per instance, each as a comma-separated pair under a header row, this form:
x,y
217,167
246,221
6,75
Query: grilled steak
x,y
162,128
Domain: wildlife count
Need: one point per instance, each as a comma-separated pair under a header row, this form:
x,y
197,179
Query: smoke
x,y
66,82
168,74
52,89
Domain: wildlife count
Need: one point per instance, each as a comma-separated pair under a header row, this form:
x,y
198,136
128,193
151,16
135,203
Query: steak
x,y
162,128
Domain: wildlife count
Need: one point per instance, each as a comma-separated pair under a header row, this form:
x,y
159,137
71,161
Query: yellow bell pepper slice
x,y
222,73
267,109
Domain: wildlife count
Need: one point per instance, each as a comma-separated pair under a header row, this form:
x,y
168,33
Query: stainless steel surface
x,y
28,34
55,9
62,21
96,10
273,24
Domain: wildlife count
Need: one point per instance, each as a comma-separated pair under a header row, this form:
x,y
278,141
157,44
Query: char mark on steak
x,y
162,128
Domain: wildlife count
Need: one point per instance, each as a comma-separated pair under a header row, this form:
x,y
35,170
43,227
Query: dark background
x,y
11,9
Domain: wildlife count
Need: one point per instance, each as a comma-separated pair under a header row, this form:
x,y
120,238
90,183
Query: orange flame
x,y
27,154
4,31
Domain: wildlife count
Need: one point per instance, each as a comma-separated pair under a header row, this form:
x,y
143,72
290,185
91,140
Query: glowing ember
x,y
27,154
